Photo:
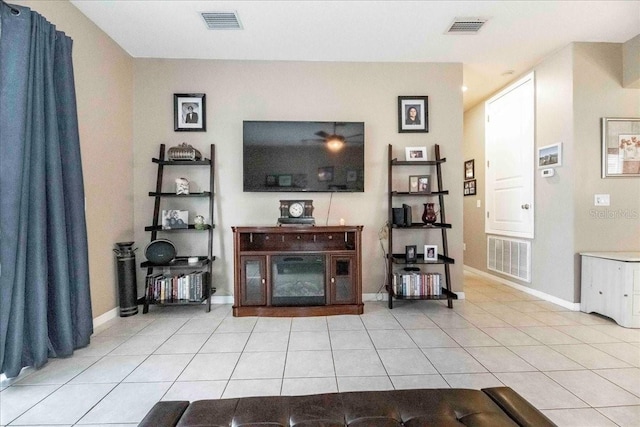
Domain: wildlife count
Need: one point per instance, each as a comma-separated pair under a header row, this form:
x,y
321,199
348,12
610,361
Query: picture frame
x,y
413,114
415,154
431,252
550,156
620,147
470,188
189,112
420,184
411,253
469,169
174,218
325,173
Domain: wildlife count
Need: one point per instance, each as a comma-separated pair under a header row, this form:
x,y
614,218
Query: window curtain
x,y
45,304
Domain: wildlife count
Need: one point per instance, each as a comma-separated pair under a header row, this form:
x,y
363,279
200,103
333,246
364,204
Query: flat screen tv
x,y
286,156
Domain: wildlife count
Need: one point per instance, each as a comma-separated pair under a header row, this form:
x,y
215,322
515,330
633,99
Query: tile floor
x,y
579,369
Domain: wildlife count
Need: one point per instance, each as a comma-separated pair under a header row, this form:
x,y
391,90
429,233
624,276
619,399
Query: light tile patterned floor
x,y
579,369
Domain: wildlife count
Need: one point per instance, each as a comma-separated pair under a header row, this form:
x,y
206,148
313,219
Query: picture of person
x,y
174,219
191,116
412,116
430,253
416,154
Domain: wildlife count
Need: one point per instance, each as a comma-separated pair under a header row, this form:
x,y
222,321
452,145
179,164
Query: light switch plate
x,y
601,200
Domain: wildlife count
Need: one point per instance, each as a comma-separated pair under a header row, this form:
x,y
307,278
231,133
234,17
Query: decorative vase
x,y
429,214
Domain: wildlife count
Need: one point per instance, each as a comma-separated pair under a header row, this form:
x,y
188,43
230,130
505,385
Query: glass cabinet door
x,y
253,281
342,279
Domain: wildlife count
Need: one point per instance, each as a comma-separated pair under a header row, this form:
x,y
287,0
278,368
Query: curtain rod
x,y
13,9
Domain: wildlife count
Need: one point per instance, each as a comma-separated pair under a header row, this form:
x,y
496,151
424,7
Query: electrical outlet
x,y
601,200
478,203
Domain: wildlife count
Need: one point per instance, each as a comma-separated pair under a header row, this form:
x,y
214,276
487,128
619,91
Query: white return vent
x,y
222,20
466,26
509,256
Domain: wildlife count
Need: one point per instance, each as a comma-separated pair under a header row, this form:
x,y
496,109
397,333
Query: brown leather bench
x,y
494,407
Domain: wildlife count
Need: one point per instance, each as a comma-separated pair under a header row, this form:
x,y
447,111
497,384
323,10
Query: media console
x,y
297,271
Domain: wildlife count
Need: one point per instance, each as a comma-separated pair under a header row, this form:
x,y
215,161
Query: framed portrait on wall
x,y
413,114
189,112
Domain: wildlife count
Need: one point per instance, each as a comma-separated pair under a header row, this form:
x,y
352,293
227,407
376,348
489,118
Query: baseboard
x,y
104,318
573,306
222,299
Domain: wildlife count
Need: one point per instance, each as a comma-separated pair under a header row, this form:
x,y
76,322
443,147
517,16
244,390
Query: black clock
x,y
296,212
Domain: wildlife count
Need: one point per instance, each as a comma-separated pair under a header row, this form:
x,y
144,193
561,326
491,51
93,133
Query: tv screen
x,y
303,156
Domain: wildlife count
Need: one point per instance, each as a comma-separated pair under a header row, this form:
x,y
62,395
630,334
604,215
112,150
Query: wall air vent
x,y
466,26
509,256
222,20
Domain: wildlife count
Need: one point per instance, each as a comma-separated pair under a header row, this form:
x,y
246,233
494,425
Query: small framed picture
x,y
415,154
284,180
469,169
325,173
189,112
413,115
173,218
620,147
470,188
550,156
430,252
420,184
410,253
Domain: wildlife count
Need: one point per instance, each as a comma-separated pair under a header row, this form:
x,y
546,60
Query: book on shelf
x,y
417,284
167,288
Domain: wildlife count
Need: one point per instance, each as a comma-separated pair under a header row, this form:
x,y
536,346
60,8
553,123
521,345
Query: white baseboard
x,y
104,318
383,296
573,306
222,299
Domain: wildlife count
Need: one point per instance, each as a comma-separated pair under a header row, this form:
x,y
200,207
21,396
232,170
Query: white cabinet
x,y
610,286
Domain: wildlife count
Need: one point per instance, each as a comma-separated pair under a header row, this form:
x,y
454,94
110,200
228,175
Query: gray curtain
x,y
45,305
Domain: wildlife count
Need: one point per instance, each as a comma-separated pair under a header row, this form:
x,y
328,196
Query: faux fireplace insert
x,y
297,271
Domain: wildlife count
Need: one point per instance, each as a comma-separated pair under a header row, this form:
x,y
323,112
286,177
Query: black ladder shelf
x,y
395,260
180,264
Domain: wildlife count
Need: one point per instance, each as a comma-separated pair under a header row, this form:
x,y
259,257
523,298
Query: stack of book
x,y
417,284
176,288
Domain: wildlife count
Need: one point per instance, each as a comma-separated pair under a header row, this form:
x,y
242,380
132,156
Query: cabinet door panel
x,y
342,280
253,281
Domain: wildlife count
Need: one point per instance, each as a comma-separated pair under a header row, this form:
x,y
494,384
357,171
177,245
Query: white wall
x,y
265,90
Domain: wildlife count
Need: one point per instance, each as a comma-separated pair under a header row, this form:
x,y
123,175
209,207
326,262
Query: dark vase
x,y
429,214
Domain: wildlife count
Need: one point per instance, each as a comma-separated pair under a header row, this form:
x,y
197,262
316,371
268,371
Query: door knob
x,y
525,206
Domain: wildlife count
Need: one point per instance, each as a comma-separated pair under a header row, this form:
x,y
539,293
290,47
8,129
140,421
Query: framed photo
x,y
325,173
410,253
172,218
415,154
469,169
189,112
430,252
284,180
620,147
470,188
413,114
420,184
550,156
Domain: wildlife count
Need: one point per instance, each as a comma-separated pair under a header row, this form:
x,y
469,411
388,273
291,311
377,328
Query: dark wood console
x,y
297,271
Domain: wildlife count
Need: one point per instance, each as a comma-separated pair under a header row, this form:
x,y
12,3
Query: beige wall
x,y
267,90
575,87
104,89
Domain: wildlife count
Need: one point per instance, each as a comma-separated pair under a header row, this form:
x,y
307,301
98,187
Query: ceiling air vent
x,y
222,20
466,26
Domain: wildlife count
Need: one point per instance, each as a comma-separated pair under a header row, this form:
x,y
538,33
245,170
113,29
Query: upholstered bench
x,y
494,407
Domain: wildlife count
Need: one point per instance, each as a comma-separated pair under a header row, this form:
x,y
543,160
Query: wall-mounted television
x,y
287,156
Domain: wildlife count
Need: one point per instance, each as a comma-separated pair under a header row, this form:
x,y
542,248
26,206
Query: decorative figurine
x,y
182,186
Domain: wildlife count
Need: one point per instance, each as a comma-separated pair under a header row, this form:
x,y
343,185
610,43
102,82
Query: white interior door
x,y
509,146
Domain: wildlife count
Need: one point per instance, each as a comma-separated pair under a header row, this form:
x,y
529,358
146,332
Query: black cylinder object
x,y
127,284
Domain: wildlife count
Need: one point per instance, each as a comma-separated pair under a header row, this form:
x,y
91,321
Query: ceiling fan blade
x,y
351,136
322,133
